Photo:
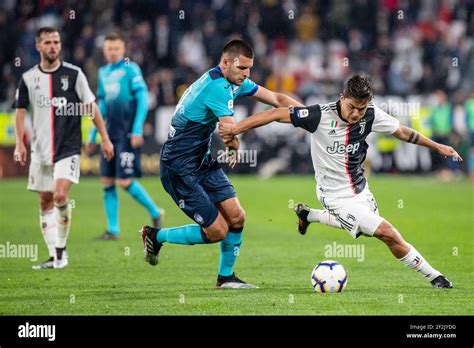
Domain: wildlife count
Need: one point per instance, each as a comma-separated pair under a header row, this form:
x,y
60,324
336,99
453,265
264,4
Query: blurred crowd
x,y
304,48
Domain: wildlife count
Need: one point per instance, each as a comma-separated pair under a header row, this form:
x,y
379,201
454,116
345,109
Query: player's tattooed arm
x,y
411,136
257,120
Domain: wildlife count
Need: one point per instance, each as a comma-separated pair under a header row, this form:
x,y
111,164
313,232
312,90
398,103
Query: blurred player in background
x,y
59,95
442,125
123,100
338,150
192,177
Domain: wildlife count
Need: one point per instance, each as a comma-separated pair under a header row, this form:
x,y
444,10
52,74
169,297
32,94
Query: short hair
x,y
359,87
114,36
238,47
44,30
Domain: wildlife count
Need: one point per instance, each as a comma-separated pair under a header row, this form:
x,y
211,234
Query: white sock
x,y
64,224
415,261
323,217
49,227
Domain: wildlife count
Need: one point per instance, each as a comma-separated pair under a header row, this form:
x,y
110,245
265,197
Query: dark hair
x,y
238,47
44,30
358,87
114,36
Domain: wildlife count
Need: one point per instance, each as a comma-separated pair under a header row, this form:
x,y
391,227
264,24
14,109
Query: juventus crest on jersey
x,y
55,98
338,149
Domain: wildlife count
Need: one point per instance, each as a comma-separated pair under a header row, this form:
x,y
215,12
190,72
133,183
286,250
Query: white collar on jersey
x,y
50,70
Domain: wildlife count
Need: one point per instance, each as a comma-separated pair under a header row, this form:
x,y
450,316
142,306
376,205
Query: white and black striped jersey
x,y
338,149
54,98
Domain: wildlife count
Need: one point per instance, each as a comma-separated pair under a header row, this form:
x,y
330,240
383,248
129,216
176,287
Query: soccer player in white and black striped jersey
x,y
338,150
58,95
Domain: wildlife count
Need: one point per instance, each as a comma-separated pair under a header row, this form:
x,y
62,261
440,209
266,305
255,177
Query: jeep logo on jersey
x,y
341,148
55,101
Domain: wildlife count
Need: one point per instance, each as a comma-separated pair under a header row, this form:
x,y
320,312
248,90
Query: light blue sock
x,y
111,209
230,248
138,192
187,235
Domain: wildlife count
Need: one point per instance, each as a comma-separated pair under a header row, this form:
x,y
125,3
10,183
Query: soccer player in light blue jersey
x,y
193,178
123,100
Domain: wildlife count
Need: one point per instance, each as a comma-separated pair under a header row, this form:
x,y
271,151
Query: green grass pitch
x,y
111,278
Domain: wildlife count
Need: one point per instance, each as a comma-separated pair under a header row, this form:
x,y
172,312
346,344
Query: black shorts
x,y
125,164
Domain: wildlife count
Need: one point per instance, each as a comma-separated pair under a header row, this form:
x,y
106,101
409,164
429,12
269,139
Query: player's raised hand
x,y
226,130
107,149
448,151
19,155
136,141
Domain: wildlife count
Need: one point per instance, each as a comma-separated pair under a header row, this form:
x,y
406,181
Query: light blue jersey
x,y
123,99
196,116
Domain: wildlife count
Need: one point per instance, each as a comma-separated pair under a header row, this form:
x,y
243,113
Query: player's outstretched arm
x,y
20,153
107,147
412,136
275,99
141,97
257,120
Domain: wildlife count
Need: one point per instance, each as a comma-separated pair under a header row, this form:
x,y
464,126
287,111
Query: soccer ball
x,y
329,276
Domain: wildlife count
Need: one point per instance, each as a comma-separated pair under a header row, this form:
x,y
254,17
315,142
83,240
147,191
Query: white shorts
x,y
357,215
41,177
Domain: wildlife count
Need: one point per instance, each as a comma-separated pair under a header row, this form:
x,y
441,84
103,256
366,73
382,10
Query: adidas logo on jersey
x,y
342,148
332,132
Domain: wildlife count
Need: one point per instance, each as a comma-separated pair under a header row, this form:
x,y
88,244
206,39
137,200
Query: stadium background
x,y
411,48
420,54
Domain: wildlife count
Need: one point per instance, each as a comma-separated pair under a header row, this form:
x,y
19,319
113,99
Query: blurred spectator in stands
x,y
166,90
79,56
304,47
140,47
191,50
162,34
406,68
307,24
7,50
427,83
274,21
441,123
